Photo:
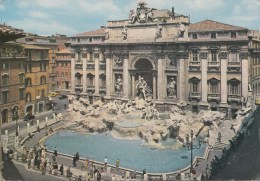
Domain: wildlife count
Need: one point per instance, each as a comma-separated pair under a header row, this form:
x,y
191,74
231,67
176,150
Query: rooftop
x,y
64,51
99,32
209,25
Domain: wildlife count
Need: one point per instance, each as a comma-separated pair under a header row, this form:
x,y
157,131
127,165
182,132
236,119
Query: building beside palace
x,y
205,64
37,79
63,69
12,76
255,62
49,42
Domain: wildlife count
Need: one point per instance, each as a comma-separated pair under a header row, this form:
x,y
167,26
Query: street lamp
x,y
191,147
15,117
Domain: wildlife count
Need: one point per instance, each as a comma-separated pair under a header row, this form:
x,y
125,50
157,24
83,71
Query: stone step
x,y
220,145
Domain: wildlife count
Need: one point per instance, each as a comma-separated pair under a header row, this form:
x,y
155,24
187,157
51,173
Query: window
x,y
233,56
90,80
28,82
234,87
62,74
194,36
58,74
21,78
90,39
213,56
21,65
233,35
66,64
42,55
78,39
91,56
28,97
21,94
195,56
213,86
42,93
5,66
43,80
43,67
66,74
28,68
194,87
5,80
213,35
5,97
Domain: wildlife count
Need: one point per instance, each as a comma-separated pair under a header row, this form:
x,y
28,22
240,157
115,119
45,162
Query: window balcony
x,y
194,95
234,98
102,88
214,97
78,66
194,65
90,66
90,87
102,66
79,86
234,66
214,66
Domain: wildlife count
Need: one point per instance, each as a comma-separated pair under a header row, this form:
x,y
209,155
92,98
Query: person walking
x,y
117,163
74,161
61,169
105,162
77,156
86,163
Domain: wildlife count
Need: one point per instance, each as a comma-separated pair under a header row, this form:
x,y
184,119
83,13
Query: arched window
x,y
5,80
234,87
213,86
78,78
43,80
194,85
28,97
102,78
21,78
90,80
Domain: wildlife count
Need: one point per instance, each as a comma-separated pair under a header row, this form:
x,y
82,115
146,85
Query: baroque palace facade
x,y
205,64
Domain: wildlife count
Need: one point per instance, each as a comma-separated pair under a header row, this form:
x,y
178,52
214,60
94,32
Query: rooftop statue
x,y
142,14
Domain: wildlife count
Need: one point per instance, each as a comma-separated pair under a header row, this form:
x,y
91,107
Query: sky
x,y
69,17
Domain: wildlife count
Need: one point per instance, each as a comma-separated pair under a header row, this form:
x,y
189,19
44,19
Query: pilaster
x,y
125,77
204,77
84,83
223,83
73,74
244,76
96,57
108,75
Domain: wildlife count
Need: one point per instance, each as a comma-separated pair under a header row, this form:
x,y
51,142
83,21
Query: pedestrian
x,y
61,169
77,156
68,172
65,106
55,152
144,172
74,161
117,163
105,162
86,163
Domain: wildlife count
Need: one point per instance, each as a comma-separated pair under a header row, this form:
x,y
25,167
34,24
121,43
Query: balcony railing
x,y
234,98
102,66
214,96
90,66
194,95
78,86
234,64
102,88
90,87
78,66
194,65
214,64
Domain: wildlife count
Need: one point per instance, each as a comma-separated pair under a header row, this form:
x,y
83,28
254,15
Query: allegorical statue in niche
x,y
118,62
141,87
118,84
171,88
124,33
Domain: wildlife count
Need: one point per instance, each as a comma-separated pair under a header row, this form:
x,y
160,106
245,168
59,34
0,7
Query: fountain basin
x,y
132,154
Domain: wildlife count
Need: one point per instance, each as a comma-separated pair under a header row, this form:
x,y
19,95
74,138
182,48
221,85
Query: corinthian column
x,y
223,75
181,75
84,65
244,61
204,69
125,77
108,75
160,79
73,74
96,56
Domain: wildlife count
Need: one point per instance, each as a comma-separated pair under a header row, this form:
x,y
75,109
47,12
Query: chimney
x,y
173,12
